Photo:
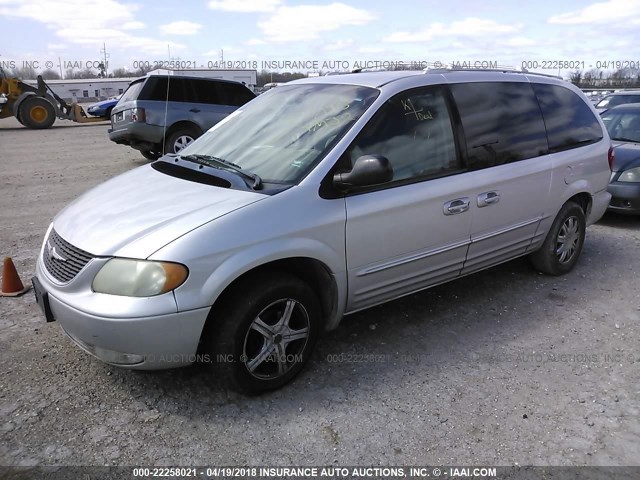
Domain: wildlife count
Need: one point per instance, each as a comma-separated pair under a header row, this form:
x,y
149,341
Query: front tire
x,y
562,247
264,332
37,113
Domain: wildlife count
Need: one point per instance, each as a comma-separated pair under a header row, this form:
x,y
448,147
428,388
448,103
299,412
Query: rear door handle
x,y
488,198
456,206
195,110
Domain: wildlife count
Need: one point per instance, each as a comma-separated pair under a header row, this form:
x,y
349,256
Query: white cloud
x,y
96,37
255,41
180,27
88,23
307,22
469,27
600,13
244,6
518,42
56,46
134,25
339,45
91,13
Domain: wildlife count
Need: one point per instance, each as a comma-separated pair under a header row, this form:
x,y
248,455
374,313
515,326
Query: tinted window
x,y
234,94
162,88
569,120
205,92
132,92
413,130
502,122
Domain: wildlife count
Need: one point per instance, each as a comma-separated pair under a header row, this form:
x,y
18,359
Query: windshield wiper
x,y
216,162
624,139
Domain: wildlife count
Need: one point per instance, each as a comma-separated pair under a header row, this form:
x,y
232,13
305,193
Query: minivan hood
x,y
137,213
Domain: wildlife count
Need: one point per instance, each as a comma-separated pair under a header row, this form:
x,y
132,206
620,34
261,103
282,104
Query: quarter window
x,y
413,130
569,120
502,122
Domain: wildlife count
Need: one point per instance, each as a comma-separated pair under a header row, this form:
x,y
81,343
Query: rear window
x,y
133,91
569,120
502,122
234,94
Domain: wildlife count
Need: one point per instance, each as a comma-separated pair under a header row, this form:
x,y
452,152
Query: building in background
x,y
87,89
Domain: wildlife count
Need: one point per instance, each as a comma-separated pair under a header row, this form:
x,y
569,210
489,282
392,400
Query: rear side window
x,y
206,92
502,122
234,94
174,89
570,122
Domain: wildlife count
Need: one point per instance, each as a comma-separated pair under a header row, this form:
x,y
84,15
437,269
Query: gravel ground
x,y
502,367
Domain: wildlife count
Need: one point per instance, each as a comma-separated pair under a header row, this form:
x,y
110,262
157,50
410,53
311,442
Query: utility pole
x,y
106,55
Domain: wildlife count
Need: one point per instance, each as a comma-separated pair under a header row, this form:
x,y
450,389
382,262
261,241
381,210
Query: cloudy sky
x,y
349,31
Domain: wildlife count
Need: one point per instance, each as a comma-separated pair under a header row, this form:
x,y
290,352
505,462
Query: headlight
x,y
139,278
631,175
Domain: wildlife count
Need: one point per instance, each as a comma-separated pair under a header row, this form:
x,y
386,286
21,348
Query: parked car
x,y
623,125
103,108
318,199
618,98
161,114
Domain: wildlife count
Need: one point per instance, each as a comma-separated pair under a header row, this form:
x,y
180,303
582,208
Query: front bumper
x,y
152,342
625,197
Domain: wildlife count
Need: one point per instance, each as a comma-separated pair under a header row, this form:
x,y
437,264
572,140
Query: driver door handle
x,y
456,206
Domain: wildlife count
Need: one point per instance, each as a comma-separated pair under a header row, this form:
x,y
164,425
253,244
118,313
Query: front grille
x,y
62,260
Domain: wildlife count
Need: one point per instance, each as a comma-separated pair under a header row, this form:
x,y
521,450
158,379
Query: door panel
x,y
506,145
399,240
504,229
415,232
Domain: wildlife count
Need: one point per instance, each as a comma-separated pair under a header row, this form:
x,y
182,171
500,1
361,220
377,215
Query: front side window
x,y
413,131
502,122
284,133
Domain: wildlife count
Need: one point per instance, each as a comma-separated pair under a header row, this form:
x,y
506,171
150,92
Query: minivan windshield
x,y
281,135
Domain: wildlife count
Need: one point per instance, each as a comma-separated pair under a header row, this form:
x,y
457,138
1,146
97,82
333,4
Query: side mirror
x,y
368,170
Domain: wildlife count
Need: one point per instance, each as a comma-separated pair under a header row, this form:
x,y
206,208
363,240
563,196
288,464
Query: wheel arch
x,y
183,124
312,271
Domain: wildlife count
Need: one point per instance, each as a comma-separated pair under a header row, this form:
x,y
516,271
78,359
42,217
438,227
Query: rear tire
x,y
179,139
562,247
263,333
37,112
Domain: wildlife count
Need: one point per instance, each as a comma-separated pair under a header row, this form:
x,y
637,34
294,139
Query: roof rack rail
x,y
499,69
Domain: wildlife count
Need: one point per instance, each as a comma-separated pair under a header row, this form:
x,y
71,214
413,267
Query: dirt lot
x,y
502,367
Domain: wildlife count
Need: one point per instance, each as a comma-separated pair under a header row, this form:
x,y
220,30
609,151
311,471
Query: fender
x,y
18,102
245,260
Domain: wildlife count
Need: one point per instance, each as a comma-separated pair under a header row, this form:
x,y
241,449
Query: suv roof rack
x,y
441,69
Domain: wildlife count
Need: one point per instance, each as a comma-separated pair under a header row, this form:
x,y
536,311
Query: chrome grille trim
x,y
74,258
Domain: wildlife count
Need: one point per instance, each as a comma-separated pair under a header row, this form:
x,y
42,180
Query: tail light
x,y
611,157
138,115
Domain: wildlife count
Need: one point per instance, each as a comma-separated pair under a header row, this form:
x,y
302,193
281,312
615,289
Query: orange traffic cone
x,y
11,284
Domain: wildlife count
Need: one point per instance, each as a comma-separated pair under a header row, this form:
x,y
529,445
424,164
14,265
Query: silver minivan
x,y
317,199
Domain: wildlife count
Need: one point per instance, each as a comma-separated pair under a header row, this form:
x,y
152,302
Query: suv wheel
x,y
562,247
179,139
264,332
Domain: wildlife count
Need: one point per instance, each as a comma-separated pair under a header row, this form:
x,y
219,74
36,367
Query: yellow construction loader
x,y
36,107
